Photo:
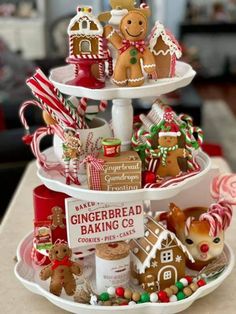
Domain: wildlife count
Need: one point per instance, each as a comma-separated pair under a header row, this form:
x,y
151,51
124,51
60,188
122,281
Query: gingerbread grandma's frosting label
x,y
94,223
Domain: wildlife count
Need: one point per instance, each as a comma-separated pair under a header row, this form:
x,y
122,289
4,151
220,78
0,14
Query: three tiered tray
x,y
122,111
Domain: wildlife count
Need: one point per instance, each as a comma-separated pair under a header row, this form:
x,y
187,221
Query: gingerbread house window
x,y
85,24
167,256
85,46
167,275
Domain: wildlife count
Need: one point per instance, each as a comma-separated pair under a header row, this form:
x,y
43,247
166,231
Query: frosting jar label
x,y
112,273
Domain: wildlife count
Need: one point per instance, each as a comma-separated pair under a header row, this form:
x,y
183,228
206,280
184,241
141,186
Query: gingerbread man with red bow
x,y
132,49
61,270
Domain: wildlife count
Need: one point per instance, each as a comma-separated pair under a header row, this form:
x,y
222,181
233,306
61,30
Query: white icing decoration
x,y
148,248
79,18
136,79
178,259
119,82
149,66
154,264
157,231
164,234
111,34
147,233
136,250
159,30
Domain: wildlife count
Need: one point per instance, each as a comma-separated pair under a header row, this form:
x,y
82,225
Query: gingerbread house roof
x,y
156,115
75,27
156,237
168,38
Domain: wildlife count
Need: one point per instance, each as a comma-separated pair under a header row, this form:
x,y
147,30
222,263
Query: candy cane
x,y
103,105
50,95
22,111
83,104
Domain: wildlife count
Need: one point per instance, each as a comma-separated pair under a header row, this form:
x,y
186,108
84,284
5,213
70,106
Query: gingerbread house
x,y
166,50
157,259
85,35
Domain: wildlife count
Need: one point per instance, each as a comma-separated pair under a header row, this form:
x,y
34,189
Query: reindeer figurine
x,y
201,230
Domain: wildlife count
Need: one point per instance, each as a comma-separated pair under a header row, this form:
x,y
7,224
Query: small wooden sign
x,y
119,173
90,223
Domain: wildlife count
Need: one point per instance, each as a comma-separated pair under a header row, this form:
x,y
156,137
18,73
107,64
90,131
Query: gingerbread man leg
x,y
136,77
162,171
70,287
75,171
55,288
120,74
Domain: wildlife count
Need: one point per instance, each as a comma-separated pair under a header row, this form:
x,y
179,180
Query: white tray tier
x,y
184,76
56,182
27,275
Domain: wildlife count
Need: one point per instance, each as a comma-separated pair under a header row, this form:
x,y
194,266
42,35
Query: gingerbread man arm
x,y
149,64
76,269
182,152
112,36
46,272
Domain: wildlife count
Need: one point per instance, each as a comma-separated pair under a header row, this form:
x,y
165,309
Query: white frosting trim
x,y
161,134
119,82
159,30
163,235
149,66
111,34
136,79
161,52
87,32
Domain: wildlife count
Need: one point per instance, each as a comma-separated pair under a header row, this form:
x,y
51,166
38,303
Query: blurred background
x,y
34,33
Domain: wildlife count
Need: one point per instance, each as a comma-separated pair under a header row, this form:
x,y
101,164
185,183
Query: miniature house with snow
x,y
158,258
166,50
85,35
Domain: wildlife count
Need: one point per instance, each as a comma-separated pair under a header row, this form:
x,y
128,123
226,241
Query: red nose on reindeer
x,y
204,248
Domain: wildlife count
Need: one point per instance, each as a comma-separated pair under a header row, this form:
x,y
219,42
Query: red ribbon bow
x,y
139,45
97,164
64,262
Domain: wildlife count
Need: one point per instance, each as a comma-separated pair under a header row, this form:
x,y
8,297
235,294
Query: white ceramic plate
x,y
56,182
184,76
28,276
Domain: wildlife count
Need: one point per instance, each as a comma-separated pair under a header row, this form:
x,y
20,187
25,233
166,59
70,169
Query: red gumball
x,y
149,177
120,292
162,296
189,278
201,283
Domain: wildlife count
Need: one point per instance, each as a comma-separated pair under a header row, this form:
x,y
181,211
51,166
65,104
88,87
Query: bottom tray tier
x,y
28,276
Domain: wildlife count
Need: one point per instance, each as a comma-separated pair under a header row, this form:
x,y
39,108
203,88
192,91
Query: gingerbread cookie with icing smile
x,y
132,49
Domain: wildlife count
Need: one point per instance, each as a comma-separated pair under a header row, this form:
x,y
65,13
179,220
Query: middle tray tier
x,y
56,182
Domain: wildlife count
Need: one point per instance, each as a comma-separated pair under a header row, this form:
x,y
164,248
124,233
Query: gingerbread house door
x,y
167,276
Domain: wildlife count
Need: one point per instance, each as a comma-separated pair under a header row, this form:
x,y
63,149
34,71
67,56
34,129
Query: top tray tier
x,y
184,76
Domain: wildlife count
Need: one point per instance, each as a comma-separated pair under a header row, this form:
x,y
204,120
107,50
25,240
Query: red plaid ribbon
x,y
96,166
139,45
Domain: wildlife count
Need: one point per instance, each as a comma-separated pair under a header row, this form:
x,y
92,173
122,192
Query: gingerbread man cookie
x,y
168,150
57,218
132,49
61,270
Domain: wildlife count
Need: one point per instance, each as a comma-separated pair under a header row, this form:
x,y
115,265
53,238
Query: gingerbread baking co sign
x,y
90,223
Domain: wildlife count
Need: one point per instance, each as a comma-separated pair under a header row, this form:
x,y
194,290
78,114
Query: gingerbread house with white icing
x,y
85,35
157,259
166,50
